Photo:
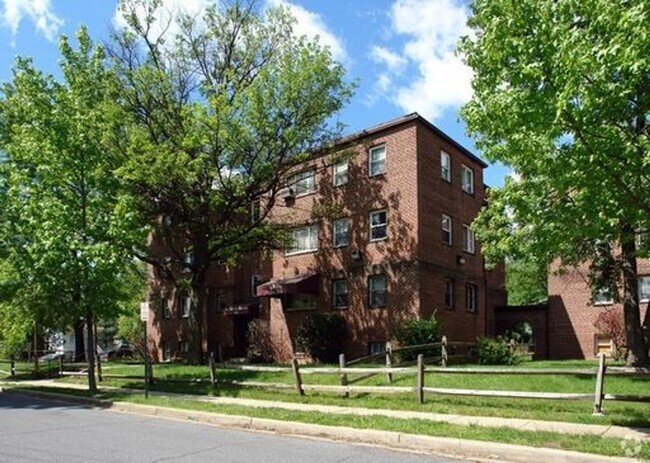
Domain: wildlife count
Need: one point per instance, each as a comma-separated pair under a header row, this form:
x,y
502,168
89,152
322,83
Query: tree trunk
x,y
637,350
79,344
90,351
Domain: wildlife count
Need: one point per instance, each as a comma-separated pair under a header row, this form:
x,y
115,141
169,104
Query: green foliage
x,y
526,281
134,290
66,236
323,336
559,96
259,342
416,331
496,351
217,118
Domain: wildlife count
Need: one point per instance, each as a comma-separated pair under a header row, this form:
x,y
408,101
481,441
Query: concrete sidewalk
x,y
447,446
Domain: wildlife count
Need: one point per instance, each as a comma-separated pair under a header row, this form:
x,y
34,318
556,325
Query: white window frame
x,y
377,160
341,236
303,183
471,297
183,347
449,293
378,225
376,347
185,302
644,296
469,239
255,281
340,173
166,350
467,179
188,261
313,240
447,230
337,286
445,166
166,308
603,296
372,279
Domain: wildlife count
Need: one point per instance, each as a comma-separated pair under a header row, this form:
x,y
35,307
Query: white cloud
x,y
165,17
439,79
391,60
37,11
312,25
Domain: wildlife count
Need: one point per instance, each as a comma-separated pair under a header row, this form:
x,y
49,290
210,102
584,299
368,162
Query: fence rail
x,y
418,368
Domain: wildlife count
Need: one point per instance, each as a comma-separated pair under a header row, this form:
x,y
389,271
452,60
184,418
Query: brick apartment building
x,y
573,309
381,234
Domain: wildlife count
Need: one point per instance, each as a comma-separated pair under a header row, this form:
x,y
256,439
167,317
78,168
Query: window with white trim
x,y
188,261
644,289
449,294
166,350
340,173
445,166
602,296
376,347
255,211
166,309
378,225
185,302
340,228
471,297
340,294
303,182
469,240
446,230
467,179
303,239
377,160
377,290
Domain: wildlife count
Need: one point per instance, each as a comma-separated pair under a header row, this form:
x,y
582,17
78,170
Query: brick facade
x,y
572,313
417,266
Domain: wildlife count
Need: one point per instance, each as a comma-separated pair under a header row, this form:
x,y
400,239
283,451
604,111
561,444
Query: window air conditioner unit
x,y
356,254
289,195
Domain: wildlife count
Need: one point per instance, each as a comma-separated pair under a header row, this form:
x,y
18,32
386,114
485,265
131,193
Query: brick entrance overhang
x,y
306,283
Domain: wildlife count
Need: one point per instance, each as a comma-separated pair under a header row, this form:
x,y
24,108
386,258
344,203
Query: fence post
x,y
600,385
389,362
213,376
512,344
444,357
296,376
13,367
420,381
60,366
344,376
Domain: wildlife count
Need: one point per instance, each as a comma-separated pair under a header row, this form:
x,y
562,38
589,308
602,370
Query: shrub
x,y
496,351
323,336
418,331
259,348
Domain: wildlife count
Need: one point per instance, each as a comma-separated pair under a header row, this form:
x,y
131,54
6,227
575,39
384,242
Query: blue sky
x,y
401,52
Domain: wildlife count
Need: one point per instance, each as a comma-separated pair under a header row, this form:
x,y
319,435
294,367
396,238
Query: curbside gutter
x,y
444,446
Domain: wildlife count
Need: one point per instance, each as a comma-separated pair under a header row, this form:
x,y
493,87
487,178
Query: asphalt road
x,y
34,430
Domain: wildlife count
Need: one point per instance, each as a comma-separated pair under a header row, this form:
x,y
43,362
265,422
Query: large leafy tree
x,y
221,111
66,232
562,94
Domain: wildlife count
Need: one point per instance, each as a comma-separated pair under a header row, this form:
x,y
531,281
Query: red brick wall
x,y
572,314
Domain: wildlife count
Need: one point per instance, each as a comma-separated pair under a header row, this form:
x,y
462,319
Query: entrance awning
x,y
241,309
307,283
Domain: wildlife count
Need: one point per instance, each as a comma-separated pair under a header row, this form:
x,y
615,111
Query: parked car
x,y
123,351
50,357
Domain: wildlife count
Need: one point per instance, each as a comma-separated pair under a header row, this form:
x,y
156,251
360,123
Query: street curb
x,y
444,446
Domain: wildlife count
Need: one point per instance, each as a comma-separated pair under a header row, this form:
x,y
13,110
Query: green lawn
x,y
169,376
